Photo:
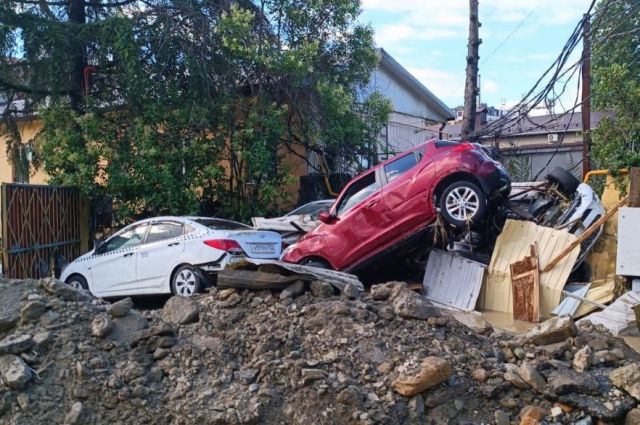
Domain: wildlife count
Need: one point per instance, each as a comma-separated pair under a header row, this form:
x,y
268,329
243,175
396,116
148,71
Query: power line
x,y
508,36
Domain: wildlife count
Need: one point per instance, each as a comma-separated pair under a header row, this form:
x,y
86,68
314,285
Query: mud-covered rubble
x,y
310,356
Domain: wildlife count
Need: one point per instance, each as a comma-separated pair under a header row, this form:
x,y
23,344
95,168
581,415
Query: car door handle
x,y
372,203
128,254
174,244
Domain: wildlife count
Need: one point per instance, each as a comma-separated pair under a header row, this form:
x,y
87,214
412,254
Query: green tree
x,y
616,83
191,104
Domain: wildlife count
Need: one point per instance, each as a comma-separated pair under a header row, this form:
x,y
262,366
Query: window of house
x,y
357,192
400,166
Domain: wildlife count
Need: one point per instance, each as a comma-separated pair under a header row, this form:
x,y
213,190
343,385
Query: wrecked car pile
x,y
303,355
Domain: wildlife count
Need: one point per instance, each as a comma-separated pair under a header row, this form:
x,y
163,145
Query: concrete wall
x,y
28,129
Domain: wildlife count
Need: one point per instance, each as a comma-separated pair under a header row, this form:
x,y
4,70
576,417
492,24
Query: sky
x,y
520,40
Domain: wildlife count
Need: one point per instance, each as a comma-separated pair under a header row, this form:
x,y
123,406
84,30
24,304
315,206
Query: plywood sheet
x,y
512,245
525,286
452,280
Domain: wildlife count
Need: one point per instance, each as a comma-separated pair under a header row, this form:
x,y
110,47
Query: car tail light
x,y
224,244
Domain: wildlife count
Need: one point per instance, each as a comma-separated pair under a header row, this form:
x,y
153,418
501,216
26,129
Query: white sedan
x,y
163,255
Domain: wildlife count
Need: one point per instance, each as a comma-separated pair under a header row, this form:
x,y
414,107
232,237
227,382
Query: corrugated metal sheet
x,y
569,306
512,245
619,317
452,280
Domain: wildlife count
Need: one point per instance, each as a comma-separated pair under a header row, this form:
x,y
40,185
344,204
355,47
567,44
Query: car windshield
x,y
358,191
313,208
220,224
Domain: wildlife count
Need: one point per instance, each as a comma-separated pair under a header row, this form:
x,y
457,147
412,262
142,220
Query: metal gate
x,y
40,226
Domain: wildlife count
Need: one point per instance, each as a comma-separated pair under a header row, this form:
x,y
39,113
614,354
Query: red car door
x,y
406,193
362,222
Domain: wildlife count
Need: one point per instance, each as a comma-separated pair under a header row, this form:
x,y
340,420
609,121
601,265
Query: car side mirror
x,y
97,247
326,217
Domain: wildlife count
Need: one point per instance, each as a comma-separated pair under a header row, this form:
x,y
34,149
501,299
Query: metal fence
x,y
42,226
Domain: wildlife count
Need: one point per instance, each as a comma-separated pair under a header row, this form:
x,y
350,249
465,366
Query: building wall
x,y
403,99
28,130
529,156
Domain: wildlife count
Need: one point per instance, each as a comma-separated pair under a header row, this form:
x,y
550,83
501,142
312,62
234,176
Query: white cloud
x,y
488,86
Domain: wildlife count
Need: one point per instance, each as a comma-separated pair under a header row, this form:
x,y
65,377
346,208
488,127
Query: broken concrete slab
x,y
180,311
556,329
432,372
14,372
627,378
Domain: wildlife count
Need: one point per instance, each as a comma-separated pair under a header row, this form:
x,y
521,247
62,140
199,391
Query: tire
x,y
186,281
78,282
317,264
462,203
567,182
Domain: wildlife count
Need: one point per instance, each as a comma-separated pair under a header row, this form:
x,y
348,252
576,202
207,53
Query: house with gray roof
x,y
415,107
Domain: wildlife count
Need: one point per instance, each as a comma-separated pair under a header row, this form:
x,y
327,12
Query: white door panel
x,y
157,258
113,274
113,268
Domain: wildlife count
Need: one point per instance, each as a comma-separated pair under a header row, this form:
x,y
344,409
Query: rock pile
x,y
310,356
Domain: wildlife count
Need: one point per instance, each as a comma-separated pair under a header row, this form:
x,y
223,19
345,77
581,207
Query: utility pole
x,y
586,94
471,85
77,17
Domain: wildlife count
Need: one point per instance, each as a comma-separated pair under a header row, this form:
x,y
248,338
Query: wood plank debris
x,y
584,236
525,285
453,281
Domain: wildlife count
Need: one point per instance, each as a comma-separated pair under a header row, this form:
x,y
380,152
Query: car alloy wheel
x,y
462,203
186,282
76,284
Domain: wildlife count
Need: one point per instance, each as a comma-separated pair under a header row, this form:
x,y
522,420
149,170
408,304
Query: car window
x,y
395,169
127,239
357,192
163,231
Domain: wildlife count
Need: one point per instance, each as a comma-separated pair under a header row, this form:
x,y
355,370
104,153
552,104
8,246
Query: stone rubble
x,y
312,356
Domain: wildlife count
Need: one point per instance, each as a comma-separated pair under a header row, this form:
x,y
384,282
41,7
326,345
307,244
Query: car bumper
x,y
496,181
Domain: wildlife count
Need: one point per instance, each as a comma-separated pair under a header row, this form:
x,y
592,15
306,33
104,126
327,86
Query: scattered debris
x,y
320,357
619,318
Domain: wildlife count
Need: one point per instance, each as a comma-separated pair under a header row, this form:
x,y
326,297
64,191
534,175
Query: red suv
x,y
397,199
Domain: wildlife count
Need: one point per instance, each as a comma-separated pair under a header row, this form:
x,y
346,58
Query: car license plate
x,y
263,248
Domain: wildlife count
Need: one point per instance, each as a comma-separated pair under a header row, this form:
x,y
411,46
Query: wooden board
x,y
452,281
525,285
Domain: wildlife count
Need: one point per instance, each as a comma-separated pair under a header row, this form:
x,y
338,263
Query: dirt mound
x,y
231,357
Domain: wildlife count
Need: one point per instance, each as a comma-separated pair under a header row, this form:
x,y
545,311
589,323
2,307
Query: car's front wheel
x,y
78,282
462,203
186,281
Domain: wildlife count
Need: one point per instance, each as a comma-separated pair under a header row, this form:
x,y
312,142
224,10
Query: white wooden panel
x,y
628,258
